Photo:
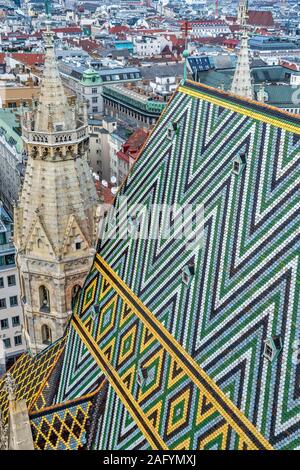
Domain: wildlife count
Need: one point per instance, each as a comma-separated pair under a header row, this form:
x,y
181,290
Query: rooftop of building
x,y
263,111
30,59
272,43
105,74
130,92
133,145
146,283
10,129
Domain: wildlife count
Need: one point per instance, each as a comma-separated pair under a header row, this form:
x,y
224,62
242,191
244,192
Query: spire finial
x,y
54,111
241,83
185,55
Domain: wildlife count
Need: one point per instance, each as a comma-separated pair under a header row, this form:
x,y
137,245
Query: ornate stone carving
x,y
10,386
3,434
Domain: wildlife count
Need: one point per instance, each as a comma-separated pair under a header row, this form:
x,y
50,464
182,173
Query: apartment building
x,y
11,318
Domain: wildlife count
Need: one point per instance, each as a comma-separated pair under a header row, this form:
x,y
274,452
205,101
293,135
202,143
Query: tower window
x,y
46,335
78,245
13,301
142,376
4,324
132,224
95,312
75,291
44,299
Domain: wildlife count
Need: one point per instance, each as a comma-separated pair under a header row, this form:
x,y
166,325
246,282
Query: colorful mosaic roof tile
x,y
66,426
196,343
30,374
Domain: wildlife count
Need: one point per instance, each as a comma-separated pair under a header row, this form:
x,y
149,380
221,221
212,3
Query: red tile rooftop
x,y
118,29
203,22
104,192
69,29
86,44
260,18
147,32
133,145
29,59
256,18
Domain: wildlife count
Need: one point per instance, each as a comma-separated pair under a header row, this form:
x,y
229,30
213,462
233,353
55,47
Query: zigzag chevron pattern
x,y
182,365
246,284
176,406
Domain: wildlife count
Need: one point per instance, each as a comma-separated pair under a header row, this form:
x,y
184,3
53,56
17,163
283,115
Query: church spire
x,y
54,112
241,83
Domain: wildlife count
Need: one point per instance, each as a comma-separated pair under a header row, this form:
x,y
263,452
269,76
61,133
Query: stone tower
x,y
55,218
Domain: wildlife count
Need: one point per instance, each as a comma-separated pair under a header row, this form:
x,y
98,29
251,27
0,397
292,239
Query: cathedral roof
x,y
30,373
178,326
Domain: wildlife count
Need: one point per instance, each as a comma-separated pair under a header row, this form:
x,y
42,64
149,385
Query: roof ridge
x,y
256,106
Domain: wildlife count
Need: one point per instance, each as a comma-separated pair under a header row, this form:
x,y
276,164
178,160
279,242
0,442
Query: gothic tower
x,y
55,218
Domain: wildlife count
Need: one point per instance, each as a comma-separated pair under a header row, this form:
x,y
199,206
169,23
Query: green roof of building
x,y
90,77
10,128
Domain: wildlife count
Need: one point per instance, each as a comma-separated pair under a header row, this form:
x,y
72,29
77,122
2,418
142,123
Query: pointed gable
x,y
38,241
74,239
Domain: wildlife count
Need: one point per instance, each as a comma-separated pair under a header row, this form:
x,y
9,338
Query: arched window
x,y
46,334
44,299
40,243
75,291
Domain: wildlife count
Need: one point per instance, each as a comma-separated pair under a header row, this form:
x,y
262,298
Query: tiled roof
x,y
30,374
30,59
178,325
260,18
118,29
68,30
132,146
